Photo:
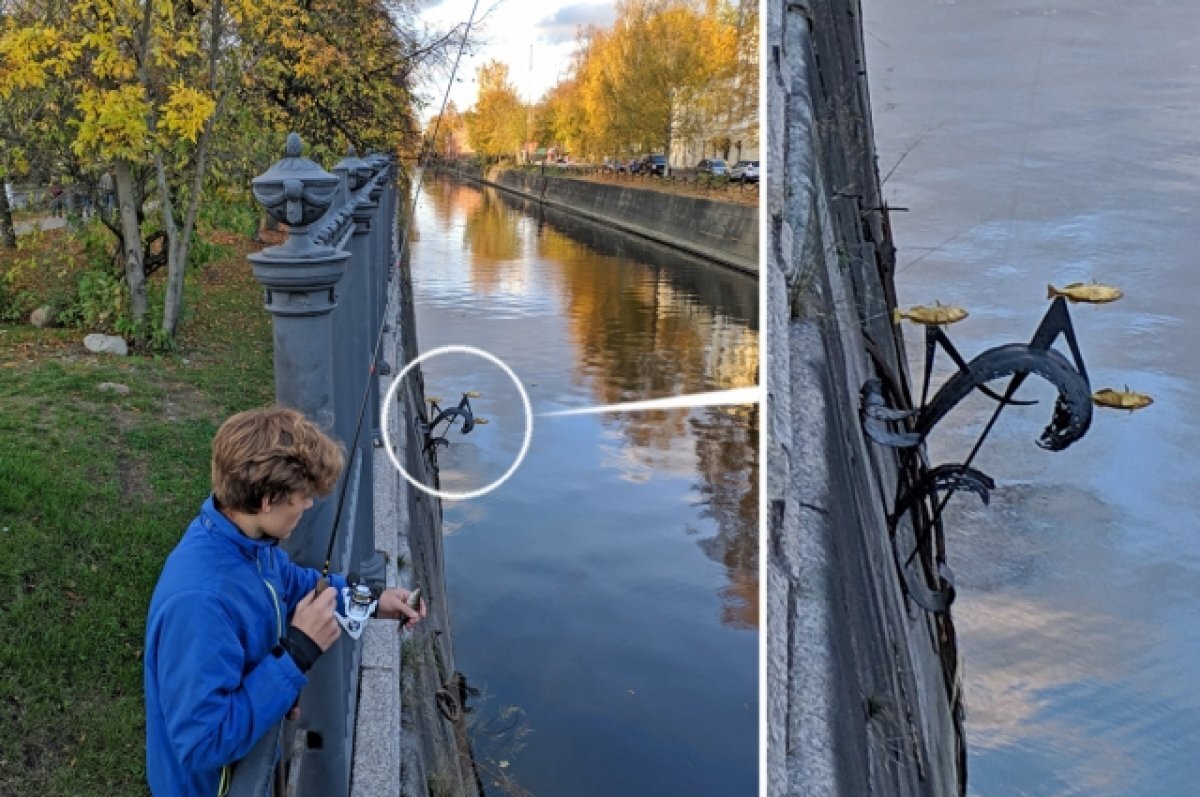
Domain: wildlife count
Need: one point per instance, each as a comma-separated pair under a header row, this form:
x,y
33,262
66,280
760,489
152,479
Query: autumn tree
x,y
541,129
344,74
442,128
496,124
667,70
729,115
146,80
673,55
607,99
34,137
746,72
155,87
562,118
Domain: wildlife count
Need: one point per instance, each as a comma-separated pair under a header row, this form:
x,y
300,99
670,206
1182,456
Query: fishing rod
x,y
323,581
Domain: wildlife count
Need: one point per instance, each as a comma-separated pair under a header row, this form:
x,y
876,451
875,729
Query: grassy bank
x,y
95,488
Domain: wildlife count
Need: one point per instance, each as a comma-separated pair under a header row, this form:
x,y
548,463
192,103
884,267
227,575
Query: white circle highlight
x,y
385,414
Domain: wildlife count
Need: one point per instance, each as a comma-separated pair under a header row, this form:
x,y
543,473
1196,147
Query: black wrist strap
x,y
301,648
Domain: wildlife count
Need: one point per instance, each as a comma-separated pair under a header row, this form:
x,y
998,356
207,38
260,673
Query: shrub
x,y
102,302
203,252
23,272
231,212
99,247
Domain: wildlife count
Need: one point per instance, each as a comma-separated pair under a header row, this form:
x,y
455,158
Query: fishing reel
x,y
359,601
449,416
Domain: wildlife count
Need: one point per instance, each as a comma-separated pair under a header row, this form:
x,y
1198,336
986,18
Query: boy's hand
x,y
314,616
393,605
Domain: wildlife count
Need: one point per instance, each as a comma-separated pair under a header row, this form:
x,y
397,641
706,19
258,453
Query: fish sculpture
x,y
1121,399
1092,293
930,316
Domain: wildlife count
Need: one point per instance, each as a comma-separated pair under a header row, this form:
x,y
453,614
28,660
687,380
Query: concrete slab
x,y
377,751
377,758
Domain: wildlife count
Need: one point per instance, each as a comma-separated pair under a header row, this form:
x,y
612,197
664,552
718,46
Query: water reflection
x,y
650,332
727,457
495,242
641,330
609,590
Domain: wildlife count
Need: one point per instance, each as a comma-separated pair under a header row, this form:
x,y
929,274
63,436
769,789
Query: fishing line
x,y
933,250
362,409
1030,113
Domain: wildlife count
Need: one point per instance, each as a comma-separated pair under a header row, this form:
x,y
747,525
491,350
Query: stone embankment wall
x,y
723,232
410,738
862,683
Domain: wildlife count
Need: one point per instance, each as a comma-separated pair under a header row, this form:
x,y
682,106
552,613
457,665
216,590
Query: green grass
x,y
95,489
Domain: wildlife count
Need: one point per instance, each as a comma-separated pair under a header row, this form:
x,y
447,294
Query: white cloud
x,y
562,25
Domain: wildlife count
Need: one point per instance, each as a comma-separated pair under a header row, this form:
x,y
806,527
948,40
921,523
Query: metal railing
x,y
326,288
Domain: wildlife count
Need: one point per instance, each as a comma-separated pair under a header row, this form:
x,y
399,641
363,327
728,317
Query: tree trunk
x,y
668,130
179,242
8,231
135,272
173,299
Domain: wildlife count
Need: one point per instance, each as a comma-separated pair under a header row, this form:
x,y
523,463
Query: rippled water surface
x,y
1054,142
605,598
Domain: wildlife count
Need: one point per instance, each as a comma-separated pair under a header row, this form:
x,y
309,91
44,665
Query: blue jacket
x,y
215,679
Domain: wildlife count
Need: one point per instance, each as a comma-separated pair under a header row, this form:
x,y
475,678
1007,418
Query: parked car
x,y
651,164
713,166
744,171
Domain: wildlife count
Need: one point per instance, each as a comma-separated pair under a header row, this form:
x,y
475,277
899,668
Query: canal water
x,y
604,599
1052,142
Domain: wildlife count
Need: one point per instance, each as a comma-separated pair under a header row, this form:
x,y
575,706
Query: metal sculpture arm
x,y
1072,411
934,337
450,416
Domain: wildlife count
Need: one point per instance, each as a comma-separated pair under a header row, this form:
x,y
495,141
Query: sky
x,y
508,30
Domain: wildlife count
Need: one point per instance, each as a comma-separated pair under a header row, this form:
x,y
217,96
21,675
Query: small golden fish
x,y
433,399
1093,293
929,316
414,602
481,421
472,394
1121,399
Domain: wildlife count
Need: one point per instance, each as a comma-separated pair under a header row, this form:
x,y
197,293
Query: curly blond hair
x,y
272,453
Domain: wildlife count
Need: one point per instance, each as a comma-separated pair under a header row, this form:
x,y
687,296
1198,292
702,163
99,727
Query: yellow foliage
x,y
186,111
496,125
298,62
666,70
113,122
24,53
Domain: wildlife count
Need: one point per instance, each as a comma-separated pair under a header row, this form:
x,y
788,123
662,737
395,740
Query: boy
x,y
233,624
